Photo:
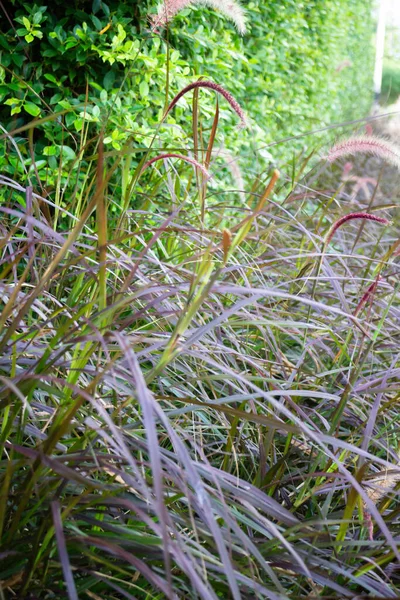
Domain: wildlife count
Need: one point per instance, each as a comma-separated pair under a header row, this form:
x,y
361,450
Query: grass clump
x,y
189,408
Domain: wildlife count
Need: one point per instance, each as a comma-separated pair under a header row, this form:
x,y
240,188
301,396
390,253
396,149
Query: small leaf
x,y
18,59
67,153
37,17
78,123
51,78
108,80
32,109
49,151
26,22
96,22
144,89
96,5
12,101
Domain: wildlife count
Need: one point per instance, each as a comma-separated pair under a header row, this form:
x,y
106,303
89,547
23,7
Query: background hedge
x,y
301,66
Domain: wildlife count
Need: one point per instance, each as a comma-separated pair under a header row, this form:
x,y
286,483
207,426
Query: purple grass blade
x,y
146,401
62,551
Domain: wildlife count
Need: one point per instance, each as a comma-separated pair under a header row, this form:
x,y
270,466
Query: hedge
x,y
300,66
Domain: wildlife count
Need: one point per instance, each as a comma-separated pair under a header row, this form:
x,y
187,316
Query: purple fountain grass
x,y
350,217
368,145
169,8
211,85
187,159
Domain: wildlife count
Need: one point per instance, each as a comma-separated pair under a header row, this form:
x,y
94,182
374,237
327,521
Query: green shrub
x,y
301,66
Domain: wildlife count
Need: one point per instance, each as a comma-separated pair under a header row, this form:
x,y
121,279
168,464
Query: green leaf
x,y
29,38
96,5
69,119
67,153
78,124
51,78
108,80
26,22
97,23
18,59
40,164
32,109
50,53
144,89
12,101
95,85
37,17
49,151
56,98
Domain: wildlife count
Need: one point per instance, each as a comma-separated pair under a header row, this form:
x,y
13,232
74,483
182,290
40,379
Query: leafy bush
x,y
97,64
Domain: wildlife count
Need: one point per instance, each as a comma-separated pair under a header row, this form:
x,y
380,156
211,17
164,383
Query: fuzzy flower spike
x,y
350,217
366,144
169,8
217,88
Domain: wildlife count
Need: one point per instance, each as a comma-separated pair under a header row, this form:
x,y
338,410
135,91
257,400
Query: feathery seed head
x,y
350,217
366,144
169,8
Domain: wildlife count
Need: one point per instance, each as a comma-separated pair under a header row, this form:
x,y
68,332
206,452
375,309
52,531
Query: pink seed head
x,y
169,8
368,145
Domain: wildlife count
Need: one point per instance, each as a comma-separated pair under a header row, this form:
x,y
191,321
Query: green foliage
x,y
300,66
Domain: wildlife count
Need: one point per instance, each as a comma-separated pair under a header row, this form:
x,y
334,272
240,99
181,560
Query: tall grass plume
x,y
366,144
211,85
170,8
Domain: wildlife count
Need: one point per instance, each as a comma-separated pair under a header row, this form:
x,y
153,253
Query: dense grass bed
x,y
199,407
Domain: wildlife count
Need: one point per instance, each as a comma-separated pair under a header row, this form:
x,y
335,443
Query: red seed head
x,y
350,217
212,86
